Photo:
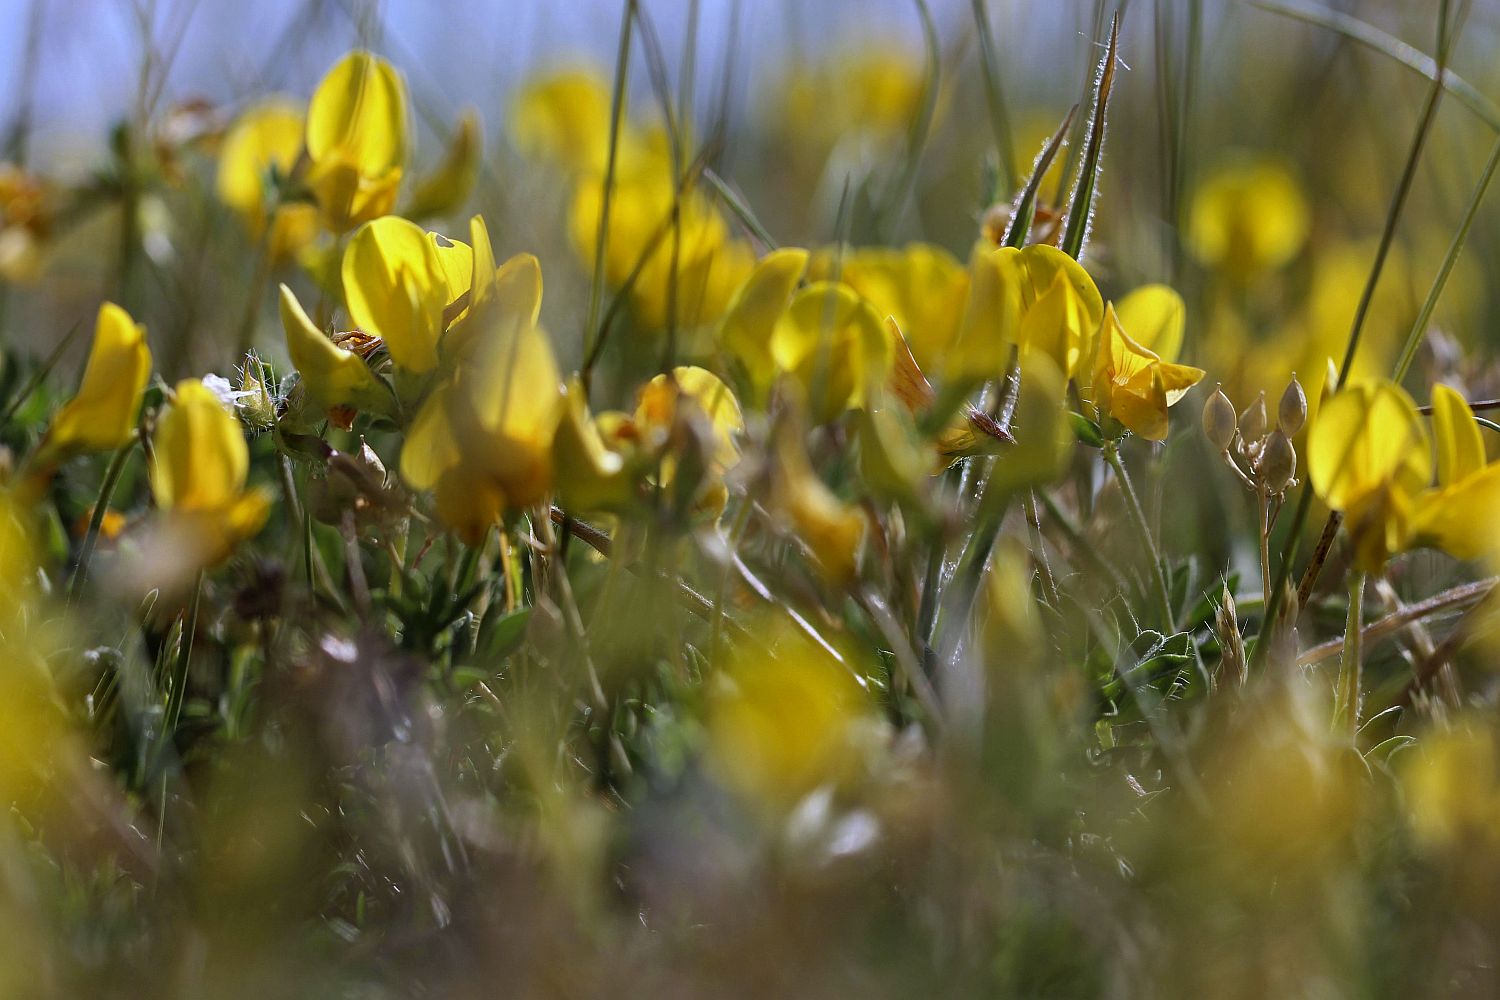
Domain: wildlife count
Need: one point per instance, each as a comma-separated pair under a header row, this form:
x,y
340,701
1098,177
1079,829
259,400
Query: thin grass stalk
x,y
601,230
1005,147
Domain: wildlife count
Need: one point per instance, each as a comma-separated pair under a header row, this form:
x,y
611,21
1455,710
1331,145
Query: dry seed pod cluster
x,y
1261,455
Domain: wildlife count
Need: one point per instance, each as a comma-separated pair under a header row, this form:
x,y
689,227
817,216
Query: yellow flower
x,y
101,417
782,725
831,529
1248,218
396,287
874,91
1156,318
483,439
564,116
268,135
356,140
920,286
198,476
1134,385
1456,515
745,331
640,242
1368,456
834,344
1452,788
590,474
697,396
1060,307
332,375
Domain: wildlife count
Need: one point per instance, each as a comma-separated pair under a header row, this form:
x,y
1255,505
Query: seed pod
x,y
1219,420
1278,462
1254,421
1291,412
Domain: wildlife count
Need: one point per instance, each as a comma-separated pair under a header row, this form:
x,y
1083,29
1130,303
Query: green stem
x,y
1138,515
601,232
1346,703
96,518
1418,328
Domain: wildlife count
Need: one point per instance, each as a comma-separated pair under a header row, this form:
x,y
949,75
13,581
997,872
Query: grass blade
x,y
1081,210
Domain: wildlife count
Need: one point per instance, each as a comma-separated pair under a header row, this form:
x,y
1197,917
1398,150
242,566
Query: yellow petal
x,y
358,115
456,259
331,375
1460,518
564,116
745,331
991,317
831,529
200,456
449,186
921,286
835,344
1460,448
589,475
395,288
102,415
1057,327
1154,316
430,448
1247,218
267,135
1367,439
356,140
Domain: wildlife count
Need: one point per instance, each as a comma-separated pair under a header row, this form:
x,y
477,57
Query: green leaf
x,y
1086,430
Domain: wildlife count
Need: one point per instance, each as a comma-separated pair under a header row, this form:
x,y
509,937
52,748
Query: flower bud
x,y
1254,421
1291,412
1278,462
1219,420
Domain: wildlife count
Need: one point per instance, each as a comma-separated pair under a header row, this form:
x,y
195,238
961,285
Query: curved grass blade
x,y
1024,210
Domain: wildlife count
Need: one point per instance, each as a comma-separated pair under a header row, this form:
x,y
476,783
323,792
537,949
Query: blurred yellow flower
x,y
640,242
452,181
356,140
1452,786
696,396
782,725
102,416
1134,385
198,475
745,331
1368,456
872,92
563,116
1248,218
831,529
920,286
269,135
834,344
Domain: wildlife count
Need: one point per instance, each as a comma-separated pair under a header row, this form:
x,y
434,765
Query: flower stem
x,y
1138,515
96,518
1347,697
